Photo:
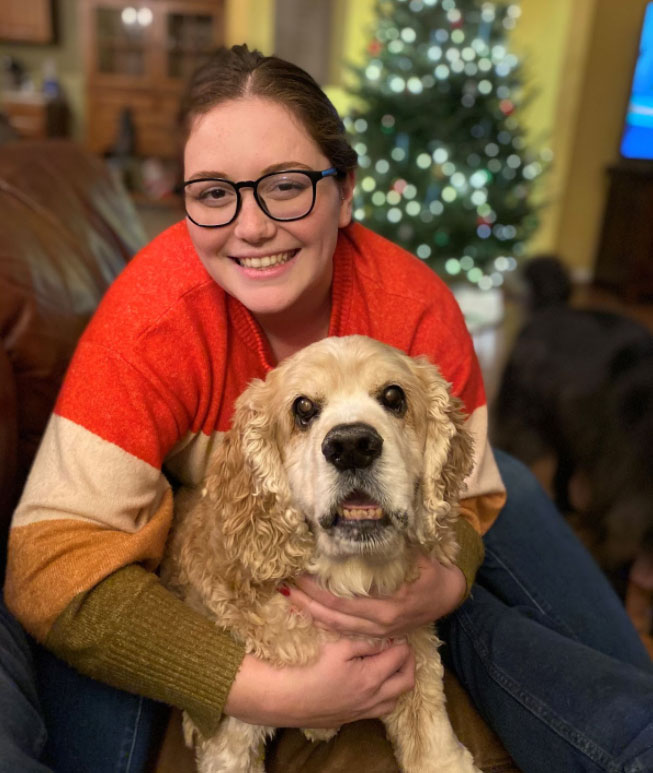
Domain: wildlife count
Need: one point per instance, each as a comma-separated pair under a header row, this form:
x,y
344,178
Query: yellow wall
x,y
251,22
594,137
541,39
353,27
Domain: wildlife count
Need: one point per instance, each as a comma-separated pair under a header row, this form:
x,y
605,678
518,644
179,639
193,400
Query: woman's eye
x,y
304,410
394,399
284,187
216,196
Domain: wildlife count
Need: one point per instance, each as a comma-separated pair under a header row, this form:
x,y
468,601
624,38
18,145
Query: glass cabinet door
x,y
189,38
121,35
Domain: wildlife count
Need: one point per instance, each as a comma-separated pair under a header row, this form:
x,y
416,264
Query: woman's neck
x,y
291,331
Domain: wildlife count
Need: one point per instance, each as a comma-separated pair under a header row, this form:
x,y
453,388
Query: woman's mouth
x,y
267,261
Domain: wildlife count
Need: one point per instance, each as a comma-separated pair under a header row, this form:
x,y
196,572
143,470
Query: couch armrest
x,y
8,450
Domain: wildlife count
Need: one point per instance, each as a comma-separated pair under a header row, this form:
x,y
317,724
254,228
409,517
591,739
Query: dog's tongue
x,y
359,501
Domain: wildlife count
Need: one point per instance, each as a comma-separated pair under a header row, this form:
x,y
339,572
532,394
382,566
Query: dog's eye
x,y
394,399
304,410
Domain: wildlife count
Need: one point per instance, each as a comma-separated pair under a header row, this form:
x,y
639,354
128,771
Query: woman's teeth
x,y
267,260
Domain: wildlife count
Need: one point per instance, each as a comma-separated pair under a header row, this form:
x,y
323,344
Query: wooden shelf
x,y
625,255
33,116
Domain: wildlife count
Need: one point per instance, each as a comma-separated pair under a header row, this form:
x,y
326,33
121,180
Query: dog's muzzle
x,y
352,449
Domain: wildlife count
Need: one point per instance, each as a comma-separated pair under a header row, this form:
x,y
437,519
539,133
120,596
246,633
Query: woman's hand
x,y
352,679
437,591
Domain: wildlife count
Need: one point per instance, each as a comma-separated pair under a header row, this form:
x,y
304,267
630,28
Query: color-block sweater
x,y
150,387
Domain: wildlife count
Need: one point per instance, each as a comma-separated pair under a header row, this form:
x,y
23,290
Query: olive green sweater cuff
x,y
471,553
132,633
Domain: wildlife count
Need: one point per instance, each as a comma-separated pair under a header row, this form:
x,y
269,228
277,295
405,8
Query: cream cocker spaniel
x,y
345,460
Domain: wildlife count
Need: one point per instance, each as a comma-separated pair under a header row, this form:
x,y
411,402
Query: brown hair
x,y
236,72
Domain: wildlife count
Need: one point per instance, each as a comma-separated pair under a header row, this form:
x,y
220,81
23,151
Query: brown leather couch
x,y
67,229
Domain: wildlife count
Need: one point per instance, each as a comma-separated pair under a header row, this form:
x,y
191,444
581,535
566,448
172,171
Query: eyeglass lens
x,y
286,196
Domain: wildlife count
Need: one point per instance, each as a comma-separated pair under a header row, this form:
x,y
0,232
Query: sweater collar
x,y
252,334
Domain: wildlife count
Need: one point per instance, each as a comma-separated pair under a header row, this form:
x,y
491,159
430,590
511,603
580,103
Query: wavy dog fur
x,y
271,507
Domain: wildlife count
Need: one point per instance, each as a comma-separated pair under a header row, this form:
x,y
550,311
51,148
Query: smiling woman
x,y
280,266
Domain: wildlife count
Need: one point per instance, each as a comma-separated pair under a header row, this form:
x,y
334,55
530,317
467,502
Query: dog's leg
x,y
419,727
235,748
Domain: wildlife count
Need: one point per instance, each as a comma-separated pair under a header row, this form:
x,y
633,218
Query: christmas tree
x,y
444,166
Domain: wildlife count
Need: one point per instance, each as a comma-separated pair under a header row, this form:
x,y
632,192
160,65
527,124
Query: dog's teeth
x,y
361,513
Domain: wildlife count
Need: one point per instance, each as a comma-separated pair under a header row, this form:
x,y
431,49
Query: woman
x,y
267,262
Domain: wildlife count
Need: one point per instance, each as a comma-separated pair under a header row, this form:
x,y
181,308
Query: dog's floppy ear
x,y
265,537
448,454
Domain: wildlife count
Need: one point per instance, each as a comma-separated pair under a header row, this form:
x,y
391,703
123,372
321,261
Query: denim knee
x,y
22,730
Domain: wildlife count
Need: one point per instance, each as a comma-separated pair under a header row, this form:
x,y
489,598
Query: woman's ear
x,y
346,186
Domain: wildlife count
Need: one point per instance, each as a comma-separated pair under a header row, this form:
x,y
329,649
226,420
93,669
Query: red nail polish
x,y
283,590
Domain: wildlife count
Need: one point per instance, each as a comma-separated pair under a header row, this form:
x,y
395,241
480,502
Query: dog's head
x,y
351,437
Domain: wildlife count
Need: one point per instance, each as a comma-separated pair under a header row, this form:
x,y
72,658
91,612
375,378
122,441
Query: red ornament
x,y
399,186
482,221
506,106
456,25
374,47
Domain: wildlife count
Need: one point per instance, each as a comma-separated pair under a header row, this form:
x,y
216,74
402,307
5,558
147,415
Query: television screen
x,y
637,140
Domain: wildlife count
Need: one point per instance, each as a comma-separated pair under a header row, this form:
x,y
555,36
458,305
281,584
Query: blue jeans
x,y
91,728
543,645
94,728
545,649
22,730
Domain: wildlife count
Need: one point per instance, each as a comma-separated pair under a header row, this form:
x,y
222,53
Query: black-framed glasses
x,y
211,202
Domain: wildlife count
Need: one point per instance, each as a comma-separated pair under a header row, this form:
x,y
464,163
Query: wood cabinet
x,y
27,21
34,116
138,58
625,254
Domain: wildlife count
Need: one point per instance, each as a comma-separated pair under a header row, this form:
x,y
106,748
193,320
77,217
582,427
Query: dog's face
x,y
354,452
370,441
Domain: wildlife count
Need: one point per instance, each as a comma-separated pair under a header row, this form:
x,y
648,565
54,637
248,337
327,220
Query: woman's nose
x,y
252,224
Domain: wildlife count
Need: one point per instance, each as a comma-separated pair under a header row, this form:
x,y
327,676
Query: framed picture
x,y
28,21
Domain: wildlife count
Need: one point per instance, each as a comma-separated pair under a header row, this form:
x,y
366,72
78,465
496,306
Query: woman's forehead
x,y
255,130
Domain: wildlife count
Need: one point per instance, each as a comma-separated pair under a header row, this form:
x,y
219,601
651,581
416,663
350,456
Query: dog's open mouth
x,y
358,514
359,507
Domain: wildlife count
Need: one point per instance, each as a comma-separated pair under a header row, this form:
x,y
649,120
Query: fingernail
x,y
283,590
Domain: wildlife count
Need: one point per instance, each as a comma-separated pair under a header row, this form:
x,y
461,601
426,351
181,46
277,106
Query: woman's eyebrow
x,y
283,165
210,174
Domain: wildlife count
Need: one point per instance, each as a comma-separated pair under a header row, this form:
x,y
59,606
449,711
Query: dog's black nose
x,y
352,446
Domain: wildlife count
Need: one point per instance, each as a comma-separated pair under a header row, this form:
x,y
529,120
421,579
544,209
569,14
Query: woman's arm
x,y
129,631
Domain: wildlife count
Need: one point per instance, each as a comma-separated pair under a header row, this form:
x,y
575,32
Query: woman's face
x,y
242,140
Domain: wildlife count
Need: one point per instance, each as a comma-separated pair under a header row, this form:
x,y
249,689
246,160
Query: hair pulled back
x,y
237,72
